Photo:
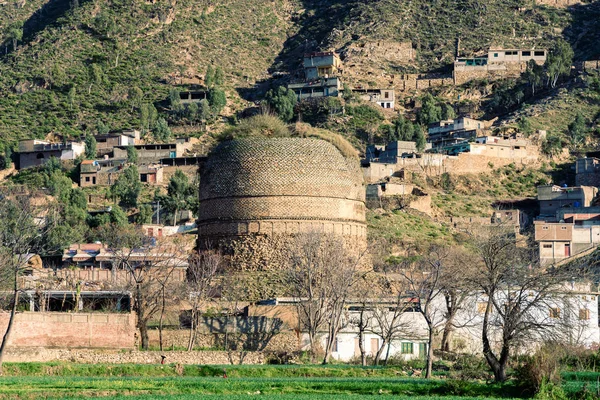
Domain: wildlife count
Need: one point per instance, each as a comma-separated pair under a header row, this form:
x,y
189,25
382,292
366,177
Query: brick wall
x,y
38,329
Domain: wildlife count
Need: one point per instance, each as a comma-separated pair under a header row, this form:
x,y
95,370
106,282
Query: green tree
x,y
524,126
217,100
136,96
192,112
175,102
219,77
144,215
448,111
96,75
71,96
117,216
127,187
14,33
578,129
430,111
419,137
403,129
282,100
533,75
209,77
102,128
132,155
347,93
203,110
180,195
161,130
90,146
559,61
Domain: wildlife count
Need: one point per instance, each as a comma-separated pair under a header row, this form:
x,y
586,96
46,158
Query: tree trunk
x,y
160,321
494,364
192,337
361,348
387,354
144,334
429,366
379,351
13,312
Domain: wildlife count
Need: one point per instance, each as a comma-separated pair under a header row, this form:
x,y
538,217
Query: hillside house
x,y
33,153
321,70
324,87
587,170
382,97
151,153
88,173
321,65
562,240
106,143
500,147
193,96
552,197
499,63
452,132
391,152
516,55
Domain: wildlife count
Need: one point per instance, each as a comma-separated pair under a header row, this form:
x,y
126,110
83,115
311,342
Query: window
x,y
407,348
545,228
526,53
87,178
495,55
584,314
547,246
564,228
539,53
555,313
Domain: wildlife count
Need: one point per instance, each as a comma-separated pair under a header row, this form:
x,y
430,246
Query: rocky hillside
x,y
78,61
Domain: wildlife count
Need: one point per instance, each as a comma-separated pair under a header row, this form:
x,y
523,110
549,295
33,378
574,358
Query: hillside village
x,y
445,197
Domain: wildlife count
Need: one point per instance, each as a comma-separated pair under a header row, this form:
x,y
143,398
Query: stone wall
x,y
287,341
50,329
191,171
466,163
89,356
591,64
558,3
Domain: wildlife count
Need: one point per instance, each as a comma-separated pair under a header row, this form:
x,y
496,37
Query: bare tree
x,y
424,280
456,291
387,310
149,269
321,272
22,230
201,279
517,294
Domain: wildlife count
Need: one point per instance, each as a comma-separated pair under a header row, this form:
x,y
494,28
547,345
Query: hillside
x,y
74,67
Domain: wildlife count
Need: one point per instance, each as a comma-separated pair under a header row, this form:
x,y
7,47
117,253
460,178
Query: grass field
x,y
128,381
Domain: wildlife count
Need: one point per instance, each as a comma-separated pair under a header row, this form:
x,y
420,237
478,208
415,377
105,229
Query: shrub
x,y
540,369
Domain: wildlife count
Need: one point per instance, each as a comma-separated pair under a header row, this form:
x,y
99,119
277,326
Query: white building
x,y
568,317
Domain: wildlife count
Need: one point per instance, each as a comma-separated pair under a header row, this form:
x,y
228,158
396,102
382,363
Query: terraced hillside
x,y
78,61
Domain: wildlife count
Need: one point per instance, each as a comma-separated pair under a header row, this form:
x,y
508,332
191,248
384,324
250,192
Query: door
x,y
423,350
374,345
568,250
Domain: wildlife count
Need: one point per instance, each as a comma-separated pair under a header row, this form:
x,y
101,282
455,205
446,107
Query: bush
x,y
540,369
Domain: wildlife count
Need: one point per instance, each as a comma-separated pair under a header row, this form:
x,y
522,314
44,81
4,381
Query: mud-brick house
x,y
33,153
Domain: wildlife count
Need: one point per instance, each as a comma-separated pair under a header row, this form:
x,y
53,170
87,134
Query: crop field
x,y
80,381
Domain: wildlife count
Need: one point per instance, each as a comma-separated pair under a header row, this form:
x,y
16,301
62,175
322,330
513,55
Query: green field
x,y
128,381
